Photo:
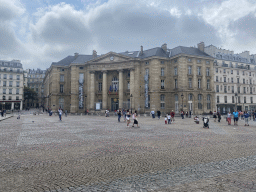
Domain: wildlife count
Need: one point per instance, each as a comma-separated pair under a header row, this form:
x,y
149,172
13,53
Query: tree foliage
x,y
29,94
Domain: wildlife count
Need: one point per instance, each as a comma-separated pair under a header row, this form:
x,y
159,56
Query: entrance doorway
x,y
114,104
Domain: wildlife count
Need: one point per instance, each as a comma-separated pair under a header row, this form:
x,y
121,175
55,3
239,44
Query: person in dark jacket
x,y
158,114
219,116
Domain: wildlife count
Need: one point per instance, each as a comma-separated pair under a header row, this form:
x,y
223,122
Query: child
x,y
165,120
169,118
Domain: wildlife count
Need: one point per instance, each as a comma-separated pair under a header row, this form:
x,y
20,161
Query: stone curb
x,y
6,118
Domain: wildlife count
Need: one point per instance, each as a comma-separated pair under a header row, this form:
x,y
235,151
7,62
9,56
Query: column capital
x,y
104,71
132,69
92,71
120,70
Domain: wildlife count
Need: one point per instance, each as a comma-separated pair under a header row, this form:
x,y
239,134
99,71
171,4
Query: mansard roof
x,y
233,57
188,51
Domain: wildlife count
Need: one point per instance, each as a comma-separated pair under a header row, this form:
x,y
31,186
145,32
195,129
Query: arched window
x,y
115,84
208,101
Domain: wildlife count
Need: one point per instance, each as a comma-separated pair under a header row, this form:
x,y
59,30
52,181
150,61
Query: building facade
x,y
35,82
155,79
11,85
234,79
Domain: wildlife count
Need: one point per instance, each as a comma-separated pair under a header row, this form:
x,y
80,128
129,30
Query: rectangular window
x,y
100,86
244,99
198,70
0,76
10,77
217,88
10,83
17,91
237,72
199,83
237,80
233,90
238,98
162,62
224,70
189,60
162,84
217,79
162,71
250,81
251,99
208,101
4,91
61,78
250,90
217,70
207,62
10,91
189,70
5,76
128,85
231,71
233,99
225,89
175,71
190,83
232,80
17,98
218,99
207,71
244,89
200,106
198,60
4,83
225,79
243,81
225,99
238,89
61,88
250,73
18,77
243,72
162,99
228,88
10,97
176,83
208,83
17,83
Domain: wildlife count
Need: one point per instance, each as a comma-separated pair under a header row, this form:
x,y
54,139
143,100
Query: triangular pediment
x,y
111,57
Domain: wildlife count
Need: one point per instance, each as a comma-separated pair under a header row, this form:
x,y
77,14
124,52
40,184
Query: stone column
x,y
73,91
21,105
92,99
12,105
121,89
132,87
104,91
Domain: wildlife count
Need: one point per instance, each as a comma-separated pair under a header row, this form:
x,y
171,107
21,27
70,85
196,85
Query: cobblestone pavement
x,y
90,153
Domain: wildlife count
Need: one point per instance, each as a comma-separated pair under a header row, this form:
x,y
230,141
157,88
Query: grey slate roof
x,y
157,51
234,57
189,51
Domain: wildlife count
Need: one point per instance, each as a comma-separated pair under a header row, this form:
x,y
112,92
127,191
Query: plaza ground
x,y
95,153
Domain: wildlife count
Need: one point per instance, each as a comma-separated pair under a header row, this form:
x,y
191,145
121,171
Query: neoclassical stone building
x,y
154,79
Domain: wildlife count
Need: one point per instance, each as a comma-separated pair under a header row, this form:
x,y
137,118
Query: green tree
x,y
29,94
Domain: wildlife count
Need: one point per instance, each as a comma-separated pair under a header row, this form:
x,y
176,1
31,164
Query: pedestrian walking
x,y
135,119
182,114
229,118
153,114
128,115
246,118
215,116
169,118
236,114
219,116
172,115
60,113
158,114
66,113
119,115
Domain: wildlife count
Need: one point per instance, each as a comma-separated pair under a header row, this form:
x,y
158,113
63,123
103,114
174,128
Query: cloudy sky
x,y
39,32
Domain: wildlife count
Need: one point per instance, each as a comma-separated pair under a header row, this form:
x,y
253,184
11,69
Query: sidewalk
x,y
7,117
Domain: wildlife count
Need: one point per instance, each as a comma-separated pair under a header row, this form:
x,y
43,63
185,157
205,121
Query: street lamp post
x,y
182,96
236,101
131,102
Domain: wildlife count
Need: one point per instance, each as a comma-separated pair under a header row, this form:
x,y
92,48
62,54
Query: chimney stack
x,y
76,55
94,54
200,46
141,50
164,47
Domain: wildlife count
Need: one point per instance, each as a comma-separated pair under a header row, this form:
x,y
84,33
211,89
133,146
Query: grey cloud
x,y
9,10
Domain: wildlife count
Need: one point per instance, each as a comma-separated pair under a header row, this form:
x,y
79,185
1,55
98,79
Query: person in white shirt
x,y
169,118
60,113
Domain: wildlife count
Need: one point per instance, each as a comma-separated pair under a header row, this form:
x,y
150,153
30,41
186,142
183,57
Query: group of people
x,y
127,117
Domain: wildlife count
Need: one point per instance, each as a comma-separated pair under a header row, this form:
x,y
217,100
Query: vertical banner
x,y
146,90
81,91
